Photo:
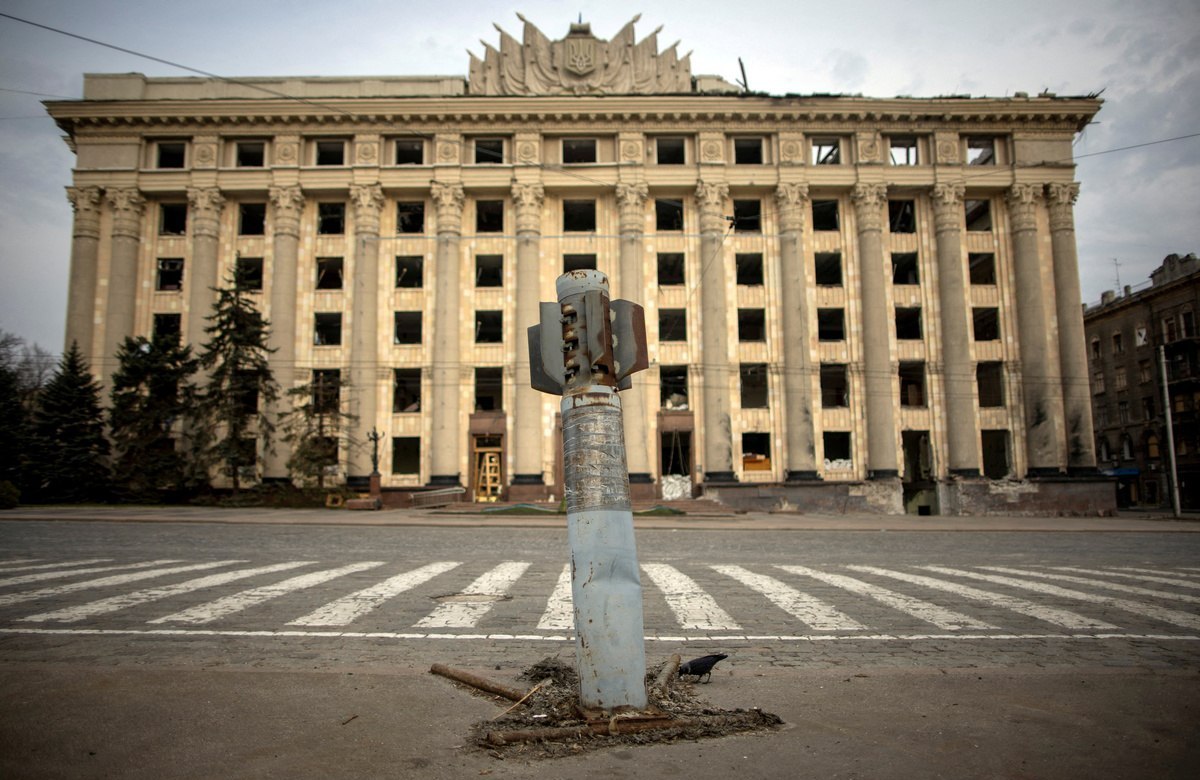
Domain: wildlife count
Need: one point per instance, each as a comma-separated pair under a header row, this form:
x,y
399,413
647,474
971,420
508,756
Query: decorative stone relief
x,y
204,205
86,203
947,206
631,152
869,201
287,203
527,152
528,199
367,200
287,151
946,149
448,150
791,151
711,197
449,199
711,152
580,64
127,206
869,148
792,201
368,152
631,199
1023,202
1062,205
206,155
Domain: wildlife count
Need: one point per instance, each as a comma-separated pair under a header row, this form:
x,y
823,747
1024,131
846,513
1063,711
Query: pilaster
x,y
791,200
446,443
528,481
127,206
287,205
204,212
86,202
714,335
631,202
367,201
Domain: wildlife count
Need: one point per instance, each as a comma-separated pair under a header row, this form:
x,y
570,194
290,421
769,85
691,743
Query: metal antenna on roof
x,y
745,87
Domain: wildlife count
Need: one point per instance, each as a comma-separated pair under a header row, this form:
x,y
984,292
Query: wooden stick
x,y
521,701
475,681
666,678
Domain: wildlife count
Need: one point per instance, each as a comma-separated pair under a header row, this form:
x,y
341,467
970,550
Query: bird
x,y
701,666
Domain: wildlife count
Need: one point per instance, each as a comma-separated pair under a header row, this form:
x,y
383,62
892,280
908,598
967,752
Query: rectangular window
x,y
673,387
752,325
825,215
1095,349
748,151
837,448
835,386
668,214
252,219
826,151
410,217
747,216
756,451
489,216
409,271
902,150
672,325
1169,330
326,390
908,322
489,151
749,268
831,325
489,270
905,269
670,268
1144,371
330,152
406,327
331,219
1121,378
979,215
579,216
981,150
489,389
985,321
1140,335
489,327
406,455
669,151
902,216
579,262
172,219
912,384
248,275
754,385
170,274
1118,344
327,329
995,454
1148,408
250,154
167,327
1098,382
1122,412
983,267
1187,324
578,150
410,151
329,273
828,268
989,381
170,154
406,391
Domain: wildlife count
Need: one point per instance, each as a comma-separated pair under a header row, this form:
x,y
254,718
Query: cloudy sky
x,y
1137,204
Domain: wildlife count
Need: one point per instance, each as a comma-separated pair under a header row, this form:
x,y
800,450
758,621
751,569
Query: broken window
x,y
828,268
669,151
489,270
902,150
979,215
756,451
748,151
489,151
908,322
410,217
578,150
406,328
170,274
837,449
170,154
489,216
989,380
410,151
1095,349
327,331
406,390
167,327
672,325
825,215
749,267
331,219
248,274
985,321
409,270
983,267
826,151
995,453
670,268
902,216
330,152
835,386
912,384
329,273
579,262
831,325
747,216
406,455
668,214
905,268
752,325
981,150
326,390
754,385
489,389
489,327
579,216
172,219
673,387
250,154
1140,335
252,219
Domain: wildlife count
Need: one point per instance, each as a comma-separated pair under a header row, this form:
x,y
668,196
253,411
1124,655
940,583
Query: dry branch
x,y
482,683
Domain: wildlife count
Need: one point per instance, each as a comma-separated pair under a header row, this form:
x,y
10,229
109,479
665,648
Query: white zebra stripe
x,y
1160,594
467,612
104,582
347,609
816,613
8,568
560,609
693,608
1143,578
58,575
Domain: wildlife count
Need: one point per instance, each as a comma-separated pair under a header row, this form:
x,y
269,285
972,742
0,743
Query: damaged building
x,y
851,303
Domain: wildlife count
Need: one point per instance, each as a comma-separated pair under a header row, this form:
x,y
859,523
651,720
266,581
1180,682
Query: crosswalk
x,y
532,601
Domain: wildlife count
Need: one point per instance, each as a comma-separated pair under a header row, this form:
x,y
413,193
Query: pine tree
x,y
12,437
239,388
150,393
316,428
68,450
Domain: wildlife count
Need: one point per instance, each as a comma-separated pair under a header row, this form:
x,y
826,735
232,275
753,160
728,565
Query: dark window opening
x,y
748,151
983,267
579,262
981,151
248,275
578,150
489,151
989,379
752,325
908,322
673,387
251,154
831,325
406,390
837,445
825,215
675,448
170,154
409,271
912,384
903,150
669,151
326,390
979,215
252,219
406,455
406,327
668,214
905,268
828,268
579,216
331,153
327,331
172,219
747,216
331,219
489,389
489,270
170,274
827,151
754,385
410,152
489,327
902,216
835,386
489,216
672,325
410,217
749,267
244,392
670,268
167,327
986,323
329,273
756,451
995,454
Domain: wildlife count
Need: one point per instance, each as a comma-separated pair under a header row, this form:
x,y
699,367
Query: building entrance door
x,y
487,471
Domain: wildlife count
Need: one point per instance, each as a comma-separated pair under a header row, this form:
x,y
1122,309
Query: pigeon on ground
x,y
698,667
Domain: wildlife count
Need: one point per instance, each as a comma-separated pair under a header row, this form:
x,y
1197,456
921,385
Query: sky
x,y
1136,205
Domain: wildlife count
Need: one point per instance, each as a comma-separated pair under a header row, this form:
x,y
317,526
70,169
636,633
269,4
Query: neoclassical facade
x,y
850,302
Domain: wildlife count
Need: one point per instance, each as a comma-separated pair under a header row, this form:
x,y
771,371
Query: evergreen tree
x,y
12,437
239,387
68,451
316,427
150,392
